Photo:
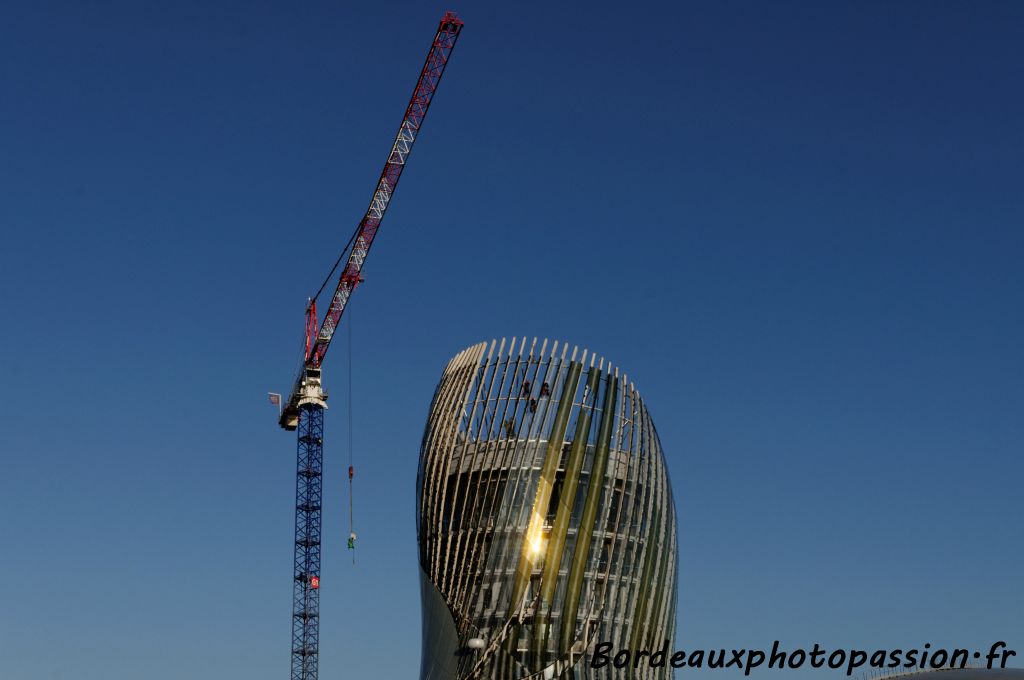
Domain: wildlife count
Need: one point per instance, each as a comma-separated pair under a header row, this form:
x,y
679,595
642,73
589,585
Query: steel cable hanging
x,y
351,455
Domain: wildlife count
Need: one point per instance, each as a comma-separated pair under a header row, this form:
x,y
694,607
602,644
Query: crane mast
x,y
304,409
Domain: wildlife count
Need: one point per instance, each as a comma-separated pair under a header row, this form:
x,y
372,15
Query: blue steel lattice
x,y
308,501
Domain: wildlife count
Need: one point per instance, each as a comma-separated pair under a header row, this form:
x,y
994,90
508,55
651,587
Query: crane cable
x,y
351,466
303,345
341,256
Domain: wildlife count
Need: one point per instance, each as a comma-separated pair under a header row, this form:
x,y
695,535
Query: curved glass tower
x,y
545,518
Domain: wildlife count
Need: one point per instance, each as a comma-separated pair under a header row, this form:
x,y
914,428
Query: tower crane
x,y
304,408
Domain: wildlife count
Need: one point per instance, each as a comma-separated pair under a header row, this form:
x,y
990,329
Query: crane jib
x,y
430,76
415,112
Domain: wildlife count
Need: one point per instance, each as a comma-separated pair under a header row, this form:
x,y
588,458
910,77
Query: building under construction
x,y
545,517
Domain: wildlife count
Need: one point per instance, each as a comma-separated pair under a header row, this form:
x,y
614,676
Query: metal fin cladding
x,y
544,513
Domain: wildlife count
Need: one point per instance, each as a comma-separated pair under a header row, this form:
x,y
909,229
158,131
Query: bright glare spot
x,y
536,545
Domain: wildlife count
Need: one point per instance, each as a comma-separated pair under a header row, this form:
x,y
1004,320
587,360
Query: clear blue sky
x,y
796,225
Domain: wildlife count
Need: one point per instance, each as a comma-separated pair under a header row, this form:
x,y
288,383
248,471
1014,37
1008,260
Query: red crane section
x,y
430,76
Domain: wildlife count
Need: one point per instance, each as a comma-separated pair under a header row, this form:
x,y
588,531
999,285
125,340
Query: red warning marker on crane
x,y
314,582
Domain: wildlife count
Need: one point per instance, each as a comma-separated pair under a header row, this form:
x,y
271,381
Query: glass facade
x,y
544,515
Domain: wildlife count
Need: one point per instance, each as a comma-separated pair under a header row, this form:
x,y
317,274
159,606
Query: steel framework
x,y
415,112
430,77
308,505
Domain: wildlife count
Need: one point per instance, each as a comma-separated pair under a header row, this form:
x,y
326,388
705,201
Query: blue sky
x,y
796,225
